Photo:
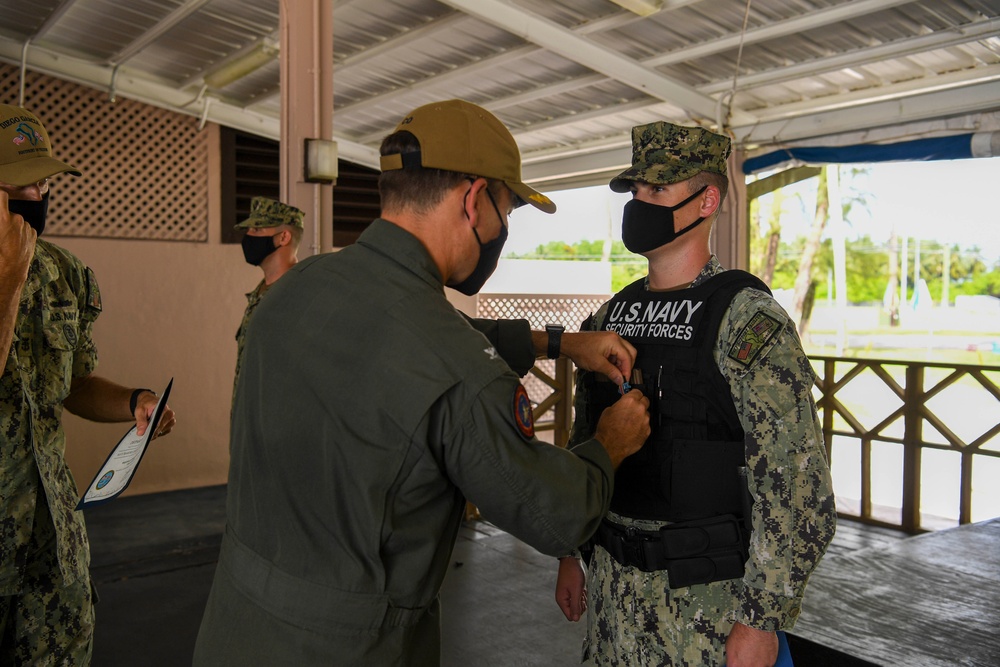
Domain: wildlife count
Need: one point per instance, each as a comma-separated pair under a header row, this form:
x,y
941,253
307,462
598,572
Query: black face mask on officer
x,y
257,248
33,212
648,226
489,255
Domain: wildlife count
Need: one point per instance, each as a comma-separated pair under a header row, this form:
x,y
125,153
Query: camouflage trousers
x,y
49,624
636,620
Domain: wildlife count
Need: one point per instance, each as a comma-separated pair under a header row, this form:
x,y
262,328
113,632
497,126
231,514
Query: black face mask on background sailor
x,y
648,226
33,212
489,255
257,248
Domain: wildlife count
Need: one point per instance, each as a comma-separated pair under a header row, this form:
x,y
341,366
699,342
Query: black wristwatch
x,y
555,332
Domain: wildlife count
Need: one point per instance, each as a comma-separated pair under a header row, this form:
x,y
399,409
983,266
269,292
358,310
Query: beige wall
x,y
170,310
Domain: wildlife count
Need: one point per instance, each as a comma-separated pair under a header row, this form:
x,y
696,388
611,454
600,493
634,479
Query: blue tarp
x,y
956,147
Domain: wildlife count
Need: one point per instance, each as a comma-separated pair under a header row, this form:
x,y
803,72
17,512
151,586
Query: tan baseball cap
x,y
25,149
456,135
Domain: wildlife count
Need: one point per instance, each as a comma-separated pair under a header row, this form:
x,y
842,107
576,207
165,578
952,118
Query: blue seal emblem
x,y
105,478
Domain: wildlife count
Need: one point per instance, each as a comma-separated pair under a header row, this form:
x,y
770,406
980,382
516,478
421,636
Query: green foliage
x,y
868,275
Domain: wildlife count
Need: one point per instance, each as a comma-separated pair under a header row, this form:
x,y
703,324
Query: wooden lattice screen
x,y
539,309
145,170
549,386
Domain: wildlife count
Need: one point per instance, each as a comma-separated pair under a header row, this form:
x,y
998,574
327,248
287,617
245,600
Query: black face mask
x,y
33,212
257,248
489,255
648,226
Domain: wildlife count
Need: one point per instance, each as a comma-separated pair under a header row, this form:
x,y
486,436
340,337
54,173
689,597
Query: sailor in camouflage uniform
x,y
48,303
717,523
273,232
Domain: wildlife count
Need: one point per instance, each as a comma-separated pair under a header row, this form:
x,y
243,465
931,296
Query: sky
x,y
952,201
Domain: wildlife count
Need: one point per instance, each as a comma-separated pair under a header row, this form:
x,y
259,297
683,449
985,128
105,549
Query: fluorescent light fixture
x,y
641,7
321,161
242,66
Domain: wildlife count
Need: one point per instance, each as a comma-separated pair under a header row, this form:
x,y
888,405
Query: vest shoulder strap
x,y
723,287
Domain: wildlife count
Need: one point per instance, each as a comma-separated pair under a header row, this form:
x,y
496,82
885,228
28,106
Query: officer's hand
x,y
571,592
604,352
17,245
624,426
749,647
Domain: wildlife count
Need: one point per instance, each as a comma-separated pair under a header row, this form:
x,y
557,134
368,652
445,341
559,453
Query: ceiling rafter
x,y
926,106
438,79
161,27
899,48
53,19
553,37
817,19
428,30
896,91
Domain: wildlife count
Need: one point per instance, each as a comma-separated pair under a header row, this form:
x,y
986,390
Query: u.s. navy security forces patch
x,y
754,336
523,416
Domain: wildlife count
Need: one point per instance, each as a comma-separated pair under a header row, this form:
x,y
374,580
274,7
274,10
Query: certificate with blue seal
x,y
120,466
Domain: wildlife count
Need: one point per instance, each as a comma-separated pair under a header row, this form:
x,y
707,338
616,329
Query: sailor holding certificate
x,y
49,300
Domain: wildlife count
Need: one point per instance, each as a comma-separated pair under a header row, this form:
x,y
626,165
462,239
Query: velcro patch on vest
x,y
523,416
753,338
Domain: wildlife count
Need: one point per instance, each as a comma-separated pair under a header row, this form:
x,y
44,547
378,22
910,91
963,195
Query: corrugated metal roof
x,y
569,77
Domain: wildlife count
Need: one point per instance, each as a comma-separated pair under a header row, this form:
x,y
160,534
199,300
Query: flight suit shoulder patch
x,y
754,337
523,417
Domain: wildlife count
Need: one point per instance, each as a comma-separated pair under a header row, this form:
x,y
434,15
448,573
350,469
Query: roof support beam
x,y
53,18
439,80
897,91
896,49
940,104
817,19
158,30
555,38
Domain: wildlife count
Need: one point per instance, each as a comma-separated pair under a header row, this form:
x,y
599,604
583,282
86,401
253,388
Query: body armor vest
x,y
690,467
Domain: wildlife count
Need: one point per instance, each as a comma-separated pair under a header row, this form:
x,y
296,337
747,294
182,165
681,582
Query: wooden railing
x,y
881,419
559,401
867,405
900,400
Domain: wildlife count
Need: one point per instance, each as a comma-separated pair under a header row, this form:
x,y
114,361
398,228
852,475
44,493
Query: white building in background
x,y
549,276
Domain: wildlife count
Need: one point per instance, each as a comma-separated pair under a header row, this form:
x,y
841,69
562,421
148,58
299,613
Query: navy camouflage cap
x,y
664,153
266,213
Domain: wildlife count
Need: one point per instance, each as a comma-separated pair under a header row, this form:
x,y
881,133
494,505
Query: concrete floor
x,y
153,558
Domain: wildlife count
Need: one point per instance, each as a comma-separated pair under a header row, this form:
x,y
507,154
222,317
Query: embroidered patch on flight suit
x,y
754,336
93,291
522,413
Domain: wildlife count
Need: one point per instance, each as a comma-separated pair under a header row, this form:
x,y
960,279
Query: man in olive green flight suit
x,y
272,235
369,410
716,526
48,303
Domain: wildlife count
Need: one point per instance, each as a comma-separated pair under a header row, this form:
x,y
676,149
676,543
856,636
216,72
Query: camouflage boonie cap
x,y
664,153
266,213
25,149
